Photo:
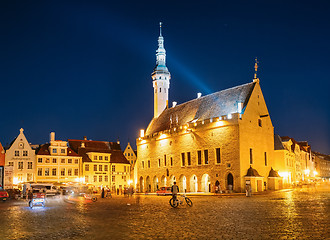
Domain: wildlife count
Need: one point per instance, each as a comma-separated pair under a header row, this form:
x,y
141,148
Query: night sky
x,y
83,68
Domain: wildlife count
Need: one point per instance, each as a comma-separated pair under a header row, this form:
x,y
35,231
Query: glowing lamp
x,y
142,133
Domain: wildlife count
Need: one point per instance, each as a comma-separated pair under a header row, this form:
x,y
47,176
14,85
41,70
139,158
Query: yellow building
x,y
130,155
223,139
104,164
57,163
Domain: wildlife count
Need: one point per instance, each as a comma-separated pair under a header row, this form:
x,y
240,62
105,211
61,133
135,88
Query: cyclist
x,y
174,190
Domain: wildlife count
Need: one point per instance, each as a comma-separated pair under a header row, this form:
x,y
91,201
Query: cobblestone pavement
x,y
301,213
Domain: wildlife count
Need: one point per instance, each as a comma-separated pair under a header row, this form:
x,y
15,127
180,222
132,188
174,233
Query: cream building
x,y
130,155
225,138
57,163
104,164
20,159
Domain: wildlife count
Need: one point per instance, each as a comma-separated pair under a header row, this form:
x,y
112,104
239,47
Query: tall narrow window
x,y
54,171
251,157
149,163
218,157
183,159
188,158
199,157
160,89
260,122
171,161
265,159
158,162
142,164
164,160
39,171
206,156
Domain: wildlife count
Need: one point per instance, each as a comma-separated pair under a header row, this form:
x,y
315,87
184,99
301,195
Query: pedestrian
x,y
174,190
102,194
30,196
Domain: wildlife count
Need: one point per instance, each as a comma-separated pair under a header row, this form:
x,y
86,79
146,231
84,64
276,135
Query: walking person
x,y
174,190
102,194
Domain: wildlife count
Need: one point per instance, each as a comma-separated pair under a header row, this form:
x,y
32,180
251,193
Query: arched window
x,y
160,89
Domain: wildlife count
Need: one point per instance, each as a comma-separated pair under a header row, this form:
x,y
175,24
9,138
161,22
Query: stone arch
x,y
155,184
148,184
206,183
163,181
141,184
172,180
183,183
230,181
193,183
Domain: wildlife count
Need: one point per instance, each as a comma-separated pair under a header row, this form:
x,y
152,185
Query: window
x,y
142,164
76,171
20,165
149,163
100,178
95,179
199,157
54,150
188,158
265,159
124,168
70,172
63,172
95,157
100,157
87,167
113,178
54,171
206,156
182,159
160,89
95,167
62,160
47,160
251,157
128,154
86,179
39,160
63,151
164,160
106,178
171,161
158,163
29,177
11,164
16,153
106,158
260,122
25,153
217,155
100,168
29,165
76,161
54,160
46,171
124,177
113,168
39,171
106,168
70,161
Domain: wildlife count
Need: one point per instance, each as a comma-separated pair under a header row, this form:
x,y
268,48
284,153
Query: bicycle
x,y
177,201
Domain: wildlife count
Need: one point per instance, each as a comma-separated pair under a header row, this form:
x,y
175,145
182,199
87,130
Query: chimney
x,y
52,136
199,95
85,138
174,104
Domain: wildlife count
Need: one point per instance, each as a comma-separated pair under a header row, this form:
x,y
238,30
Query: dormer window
x,y
63,151
54,150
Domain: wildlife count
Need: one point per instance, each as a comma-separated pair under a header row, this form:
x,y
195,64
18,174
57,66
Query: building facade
x,y
104,164
57,163
130,155
2,164
20,161
225,139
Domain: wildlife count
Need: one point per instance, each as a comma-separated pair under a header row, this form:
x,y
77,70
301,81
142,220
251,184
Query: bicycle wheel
x,y
173,203
189,202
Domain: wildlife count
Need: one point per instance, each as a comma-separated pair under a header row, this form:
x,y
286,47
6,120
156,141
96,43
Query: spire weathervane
x,y
256,70
160,28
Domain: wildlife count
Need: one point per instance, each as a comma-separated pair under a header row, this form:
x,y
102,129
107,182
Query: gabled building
x,y
57,163
130,155
225,138
20,161
104,164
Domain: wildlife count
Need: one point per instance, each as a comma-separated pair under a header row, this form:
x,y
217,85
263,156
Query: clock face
x,y
21,145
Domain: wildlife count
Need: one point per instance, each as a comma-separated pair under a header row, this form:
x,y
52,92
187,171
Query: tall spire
x,y
256,79
161,77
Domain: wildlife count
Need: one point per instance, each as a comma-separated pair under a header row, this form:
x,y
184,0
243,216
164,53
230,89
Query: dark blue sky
x,y
82,68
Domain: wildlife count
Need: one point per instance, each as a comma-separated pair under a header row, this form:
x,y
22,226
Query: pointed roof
x,y
210,106
251,172
273,173
278,145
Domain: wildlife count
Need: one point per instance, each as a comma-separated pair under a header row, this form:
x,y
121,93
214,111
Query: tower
x,y
160,77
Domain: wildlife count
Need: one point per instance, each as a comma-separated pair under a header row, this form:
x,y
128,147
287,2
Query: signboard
x,y
8,178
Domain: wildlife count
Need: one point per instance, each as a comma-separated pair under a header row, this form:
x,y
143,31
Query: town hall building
x,y
223,140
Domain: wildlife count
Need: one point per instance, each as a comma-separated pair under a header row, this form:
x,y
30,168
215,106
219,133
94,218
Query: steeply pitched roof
x,y
251,172
118,157
210,106
44,150
278,145
273,173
